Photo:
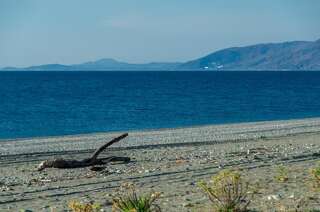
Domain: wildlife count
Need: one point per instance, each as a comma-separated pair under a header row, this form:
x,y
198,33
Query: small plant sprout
x,y
132,202
228,192
282,174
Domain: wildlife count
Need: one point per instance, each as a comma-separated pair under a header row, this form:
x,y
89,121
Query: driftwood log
x,y
92,161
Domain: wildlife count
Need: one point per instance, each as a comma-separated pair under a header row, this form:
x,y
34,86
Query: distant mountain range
x,y
295,55
101,65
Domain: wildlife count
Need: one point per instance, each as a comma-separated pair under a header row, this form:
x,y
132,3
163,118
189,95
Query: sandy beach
x,y
170,161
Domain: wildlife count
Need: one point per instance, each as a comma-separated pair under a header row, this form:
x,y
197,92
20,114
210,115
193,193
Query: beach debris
x,y
92,161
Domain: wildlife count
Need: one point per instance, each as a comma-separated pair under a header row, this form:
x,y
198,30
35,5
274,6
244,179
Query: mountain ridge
x,y
289,55
294,55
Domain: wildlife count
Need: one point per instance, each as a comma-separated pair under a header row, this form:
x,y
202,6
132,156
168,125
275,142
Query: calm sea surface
x,y
62,103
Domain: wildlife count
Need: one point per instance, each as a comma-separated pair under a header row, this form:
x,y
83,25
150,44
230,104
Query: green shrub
x,y
132,202
228,192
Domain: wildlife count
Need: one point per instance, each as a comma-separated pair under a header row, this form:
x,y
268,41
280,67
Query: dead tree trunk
x,y
93,160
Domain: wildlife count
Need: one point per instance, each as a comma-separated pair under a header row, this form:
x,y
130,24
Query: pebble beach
x,y
169,161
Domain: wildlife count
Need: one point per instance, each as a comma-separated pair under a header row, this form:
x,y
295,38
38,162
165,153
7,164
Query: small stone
x,y
274,197
187,205
192,183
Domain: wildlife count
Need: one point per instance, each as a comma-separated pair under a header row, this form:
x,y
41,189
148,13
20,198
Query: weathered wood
x,y
99,150
93,160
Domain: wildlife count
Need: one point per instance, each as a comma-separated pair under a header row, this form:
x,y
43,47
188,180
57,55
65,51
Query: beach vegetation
x,y
315,173
77,206
282,174
131,201
228,192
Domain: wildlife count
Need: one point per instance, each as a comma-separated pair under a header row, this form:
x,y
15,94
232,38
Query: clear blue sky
x,y
73,31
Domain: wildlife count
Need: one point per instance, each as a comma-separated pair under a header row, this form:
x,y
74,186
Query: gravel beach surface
x,y
203,134
170,161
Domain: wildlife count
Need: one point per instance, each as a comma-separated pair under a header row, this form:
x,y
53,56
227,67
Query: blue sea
x,y
34,104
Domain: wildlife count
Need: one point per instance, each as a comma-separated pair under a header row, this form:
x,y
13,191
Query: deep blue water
x,y
61,103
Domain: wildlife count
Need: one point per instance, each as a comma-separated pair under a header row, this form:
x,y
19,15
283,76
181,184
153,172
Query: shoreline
x,y
160,129
166,136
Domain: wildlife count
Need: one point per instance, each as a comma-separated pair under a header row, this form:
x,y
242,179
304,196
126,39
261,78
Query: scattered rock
x,y
188,205
276,197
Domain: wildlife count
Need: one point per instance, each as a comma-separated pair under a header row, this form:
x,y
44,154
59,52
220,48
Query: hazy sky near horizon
x,y
74,31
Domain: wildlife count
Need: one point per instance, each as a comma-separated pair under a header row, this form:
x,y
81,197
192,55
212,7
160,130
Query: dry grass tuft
x,y
77,206
132,202
315,173
282,174
228,192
